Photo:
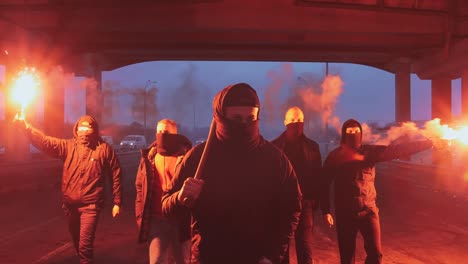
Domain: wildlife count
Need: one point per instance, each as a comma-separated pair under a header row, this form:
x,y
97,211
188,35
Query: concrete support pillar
x,y
17,144
442,98
464,94
94,98
442,108
403,93
54,104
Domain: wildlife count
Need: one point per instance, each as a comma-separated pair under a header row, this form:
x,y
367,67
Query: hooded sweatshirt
x,y
250,203
352,168
85,165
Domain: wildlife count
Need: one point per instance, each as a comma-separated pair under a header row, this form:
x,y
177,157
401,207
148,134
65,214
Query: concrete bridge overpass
x,y
428,38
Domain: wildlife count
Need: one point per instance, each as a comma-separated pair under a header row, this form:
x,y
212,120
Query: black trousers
x,y
82,222
368,224
303,238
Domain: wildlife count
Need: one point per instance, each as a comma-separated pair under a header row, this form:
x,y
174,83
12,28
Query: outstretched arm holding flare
x,y
59,148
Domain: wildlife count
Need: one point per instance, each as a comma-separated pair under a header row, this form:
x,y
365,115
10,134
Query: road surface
x,y
421,222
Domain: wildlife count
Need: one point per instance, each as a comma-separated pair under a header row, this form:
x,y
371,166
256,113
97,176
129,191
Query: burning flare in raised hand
x,y
459,133
24,89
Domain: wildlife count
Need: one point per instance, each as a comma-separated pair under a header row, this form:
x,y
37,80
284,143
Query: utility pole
x,y
327,109
306,120
148,83
327,106
194,117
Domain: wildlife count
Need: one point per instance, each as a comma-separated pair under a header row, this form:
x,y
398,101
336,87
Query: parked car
x,y
132,142
199,141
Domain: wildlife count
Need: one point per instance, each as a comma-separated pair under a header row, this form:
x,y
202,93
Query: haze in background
x,y
184,90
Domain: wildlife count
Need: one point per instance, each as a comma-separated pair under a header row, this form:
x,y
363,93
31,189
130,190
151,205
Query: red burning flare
x,y
24,89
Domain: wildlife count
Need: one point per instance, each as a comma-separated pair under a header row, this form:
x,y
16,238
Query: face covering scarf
x,y
353,137
238,133
294,130
85,135
170,144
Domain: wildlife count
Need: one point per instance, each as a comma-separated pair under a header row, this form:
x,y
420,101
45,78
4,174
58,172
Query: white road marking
x,y
54,252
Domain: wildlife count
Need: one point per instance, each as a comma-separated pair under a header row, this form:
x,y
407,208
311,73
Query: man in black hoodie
x,y
246,201
87,161
352,168
304,155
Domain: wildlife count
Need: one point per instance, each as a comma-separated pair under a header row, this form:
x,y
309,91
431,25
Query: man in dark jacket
x,y
154,176
352,167
304,155
87,161
246,202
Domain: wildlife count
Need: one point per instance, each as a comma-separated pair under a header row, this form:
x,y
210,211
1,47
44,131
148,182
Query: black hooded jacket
x,y
249,205
307,164
354,179
84,167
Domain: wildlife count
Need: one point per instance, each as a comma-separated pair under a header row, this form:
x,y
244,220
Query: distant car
x,y
132,142
108,140
199,141
2,149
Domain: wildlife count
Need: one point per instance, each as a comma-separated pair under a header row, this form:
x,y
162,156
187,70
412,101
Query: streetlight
x,y
300,78
148,83
327,108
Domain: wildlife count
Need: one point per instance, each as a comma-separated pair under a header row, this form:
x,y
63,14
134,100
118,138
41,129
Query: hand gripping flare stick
x,y
202,162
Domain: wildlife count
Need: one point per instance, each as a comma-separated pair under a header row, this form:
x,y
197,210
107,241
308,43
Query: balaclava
x,y
294,121
353,140
168,142
232,132
86,131
172,144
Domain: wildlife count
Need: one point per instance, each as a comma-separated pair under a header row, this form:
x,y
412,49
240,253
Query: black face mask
x,y
353,140
84,139
167,144
294,130
237,132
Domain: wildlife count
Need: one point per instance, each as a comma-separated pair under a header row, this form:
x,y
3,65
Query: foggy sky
x,y
184,90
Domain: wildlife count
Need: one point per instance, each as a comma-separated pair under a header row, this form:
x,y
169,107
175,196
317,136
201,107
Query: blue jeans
x,y
165,245
82,222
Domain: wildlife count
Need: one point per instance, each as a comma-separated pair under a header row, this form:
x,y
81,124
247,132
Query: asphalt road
x,y
421,222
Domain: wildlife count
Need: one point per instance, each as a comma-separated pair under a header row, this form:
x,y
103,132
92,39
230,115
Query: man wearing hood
x,y
246,202
87,161
352,168
154,176
304,155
